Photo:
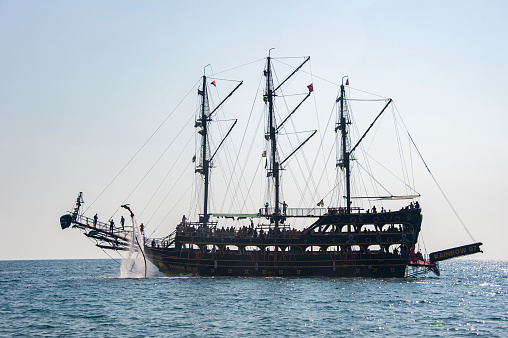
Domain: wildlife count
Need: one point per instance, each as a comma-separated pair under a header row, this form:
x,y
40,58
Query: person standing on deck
x,y
111,225
122,222
95,220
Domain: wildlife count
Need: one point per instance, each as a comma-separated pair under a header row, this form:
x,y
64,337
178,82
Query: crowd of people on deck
x,y
411,206
200,230
391,228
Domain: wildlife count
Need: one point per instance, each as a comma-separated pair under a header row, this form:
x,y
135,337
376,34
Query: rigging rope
x,y
395,176
441,190
245,64
169,212
167,195
236,186
309,171
144,144
372,177
320,151
321,148
227,155
157,161
177,160
433,178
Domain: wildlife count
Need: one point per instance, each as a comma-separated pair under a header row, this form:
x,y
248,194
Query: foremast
x,y
206,157
205,161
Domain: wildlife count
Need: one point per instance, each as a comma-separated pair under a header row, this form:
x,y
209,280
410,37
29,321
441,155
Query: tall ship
x,y
342,240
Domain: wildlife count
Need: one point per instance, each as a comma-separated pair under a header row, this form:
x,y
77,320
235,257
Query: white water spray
x,y
134,264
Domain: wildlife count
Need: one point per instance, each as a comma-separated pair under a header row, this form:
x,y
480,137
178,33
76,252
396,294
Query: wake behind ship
x,y
346,240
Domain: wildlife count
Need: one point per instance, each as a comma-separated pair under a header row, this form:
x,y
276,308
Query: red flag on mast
x,y
311,88
213,82
347,82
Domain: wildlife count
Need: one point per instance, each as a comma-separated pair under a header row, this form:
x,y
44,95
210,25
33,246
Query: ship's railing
x,y
269,232
317,212
163,242
115,230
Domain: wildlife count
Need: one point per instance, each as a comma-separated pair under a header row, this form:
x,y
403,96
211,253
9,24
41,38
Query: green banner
x,y
237,215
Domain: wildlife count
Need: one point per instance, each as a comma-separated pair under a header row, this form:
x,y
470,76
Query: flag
x,y
213,82
311,88
347,82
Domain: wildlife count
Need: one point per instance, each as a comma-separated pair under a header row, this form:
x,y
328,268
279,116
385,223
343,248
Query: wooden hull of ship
x,y
292,257
192,263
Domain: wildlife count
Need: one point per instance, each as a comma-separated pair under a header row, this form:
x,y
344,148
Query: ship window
x,y
340,228
212,248
398,249
374,248
393,247
294,249
368,228
232,249
332,248
355,248
313,249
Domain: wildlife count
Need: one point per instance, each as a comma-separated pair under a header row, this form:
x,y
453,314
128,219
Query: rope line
x,y
245,64
441,190
177,160
160,157
144,144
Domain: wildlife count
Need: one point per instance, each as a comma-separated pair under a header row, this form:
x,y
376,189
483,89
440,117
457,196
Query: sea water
x,y
87,298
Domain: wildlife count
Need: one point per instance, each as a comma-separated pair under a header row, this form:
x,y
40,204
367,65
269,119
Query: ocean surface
x,y
87,298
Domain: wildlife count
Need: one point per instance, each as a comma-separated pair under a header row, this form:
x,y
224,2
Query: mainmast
x,y
272,136
342,126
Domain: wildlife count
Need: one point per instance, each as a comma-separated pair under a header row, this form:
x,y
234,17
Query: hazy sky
x,y
85,83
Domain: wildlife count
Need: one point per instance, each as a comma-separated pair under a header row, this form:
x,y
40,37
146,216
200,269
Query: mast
x,y
204,143
343,122
206,159
273,129
272,135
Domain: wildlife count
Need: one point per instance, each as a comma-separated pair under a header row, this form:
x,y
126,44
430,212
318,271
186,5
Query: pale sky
x,y
85,83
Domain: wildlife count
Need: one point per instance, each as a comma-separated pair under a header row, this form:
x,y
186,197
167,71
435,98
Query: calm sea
x,y
86,298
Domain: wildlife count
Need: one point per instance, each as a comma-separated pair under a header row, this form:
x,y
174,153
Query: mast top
x,y
204,69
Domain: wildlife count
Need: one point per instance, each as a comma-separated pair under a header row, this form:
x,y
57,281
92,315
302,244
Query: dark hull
x,y
336,245
188,262
372,245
